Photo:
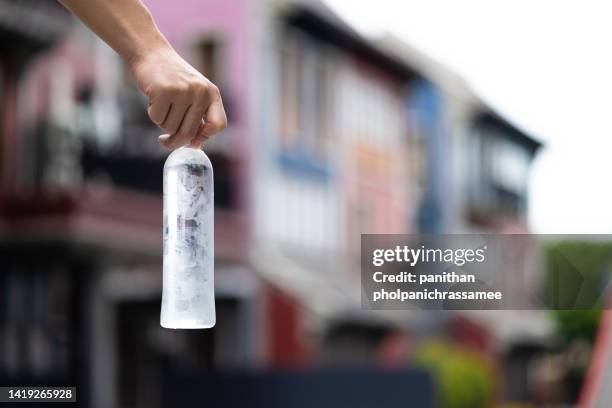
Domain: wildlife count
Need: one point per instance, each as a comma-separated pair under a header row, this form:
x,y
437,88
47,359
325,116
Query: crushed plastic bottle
x,y
188,298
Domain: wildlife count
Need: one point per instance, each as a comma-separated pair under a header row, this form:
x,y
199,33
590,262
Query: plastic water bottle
x,y
188,297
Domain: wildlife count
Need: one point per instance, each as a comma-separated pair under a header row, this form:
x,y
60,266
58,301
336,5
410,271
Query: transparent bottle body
x,y
188,298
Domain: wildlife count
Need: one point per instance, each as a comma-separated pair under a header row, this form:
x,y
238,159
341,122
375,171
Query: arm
x,y
179,96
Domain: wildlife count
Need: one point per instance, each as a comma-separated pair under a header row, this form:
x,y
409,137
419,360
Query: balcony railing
x,y
27,26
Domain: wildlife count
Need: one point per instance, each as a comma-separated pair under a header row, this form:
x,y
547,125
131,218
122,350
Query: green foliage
x,y
577,273
577,324
464,378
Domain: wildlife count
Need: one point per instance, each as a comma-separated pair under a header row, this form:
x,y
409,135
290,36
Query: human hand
x,y
182,102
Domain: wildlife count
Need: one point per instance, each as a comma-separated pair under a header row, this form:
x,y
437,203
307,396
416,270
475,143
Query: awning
x,y
324,285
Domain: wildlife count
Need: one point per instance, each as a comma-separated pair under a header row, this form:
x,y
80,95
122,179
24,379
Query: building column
x,y
8,125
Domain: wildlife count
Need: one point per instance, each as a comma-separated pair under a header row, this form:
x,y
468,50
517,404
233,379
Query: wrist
x,y
145,49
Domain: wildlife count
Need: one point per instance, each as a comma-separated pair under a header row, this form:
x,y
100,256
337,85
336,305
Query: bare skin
x,y
182,102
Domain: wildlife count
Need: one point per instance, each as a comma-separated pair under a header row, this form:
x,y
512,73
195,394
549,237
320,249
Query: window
x,y
305,100
290,92
510,166
498,174
322,99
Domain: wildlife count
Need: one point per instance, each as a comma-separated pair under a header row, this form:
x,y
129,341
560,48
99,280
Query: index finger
x,y
215,121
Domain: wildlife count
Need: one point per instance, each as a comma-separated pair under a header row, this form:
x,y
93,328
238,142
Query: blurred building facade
x,y
474,170
333,167
473,167
330,136
35,313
